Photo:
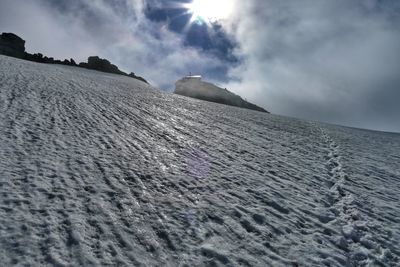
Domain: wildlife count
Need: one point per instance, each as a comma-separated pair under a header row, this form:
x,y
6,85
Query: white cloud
x,y
119,32
320,60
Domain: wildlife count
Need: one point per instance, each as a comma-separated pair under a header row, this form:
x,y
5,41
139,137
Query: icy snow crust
x,y
100,169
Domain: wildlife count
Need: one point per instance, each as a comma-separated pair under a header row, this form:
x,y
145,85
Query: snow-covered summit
x,y
193,77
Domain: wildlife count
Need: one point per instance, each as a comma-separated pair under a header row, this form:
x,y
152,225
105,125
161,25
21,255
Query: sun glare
x,y
210,10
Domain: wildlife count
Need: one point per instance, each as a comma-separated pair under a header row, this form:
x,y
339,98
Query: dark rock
x,y
96,63
133,75
12,45
100,64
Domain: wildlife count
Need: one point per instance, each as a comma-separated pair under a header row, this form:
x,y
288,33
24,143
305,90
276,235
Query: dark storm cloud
x,y
335,61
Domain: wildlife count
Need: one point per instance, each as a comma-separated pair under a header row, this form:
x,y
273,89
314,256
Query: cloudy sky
x,y
328,60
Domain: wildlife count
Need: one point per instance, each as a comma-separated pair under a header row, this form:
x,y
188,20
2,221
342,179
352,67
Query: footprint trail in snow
x,y
101,169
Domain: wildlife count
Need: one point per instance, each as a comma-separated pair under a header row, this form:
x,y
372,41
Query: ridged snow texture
x,y
100,169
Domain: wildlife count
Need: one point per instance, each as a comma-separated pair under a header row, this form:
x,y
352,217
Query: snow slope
x,y
101,169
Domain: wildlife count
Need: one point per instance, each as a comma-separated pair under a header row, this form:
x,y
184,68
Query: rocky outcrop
x,y
193,86
133,75
14,46
100,64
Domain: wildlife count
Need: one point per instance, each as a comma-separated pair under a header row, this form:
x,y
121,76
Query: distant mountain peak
x,y
193,86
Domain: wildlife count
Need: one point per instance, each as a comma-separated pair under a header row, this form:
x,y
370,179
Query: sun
x,y
209,10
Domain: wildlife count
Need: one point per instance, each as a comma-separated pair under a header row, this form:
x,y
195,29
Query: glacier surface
x,y
103,170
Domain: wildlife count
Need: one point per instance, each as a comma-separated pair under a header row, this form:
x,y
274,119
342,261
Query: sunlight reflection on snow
x,y
198,163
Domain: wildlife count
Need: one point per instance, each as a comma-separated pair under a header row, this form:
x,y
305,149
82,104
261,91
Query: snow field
x,y
102,170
